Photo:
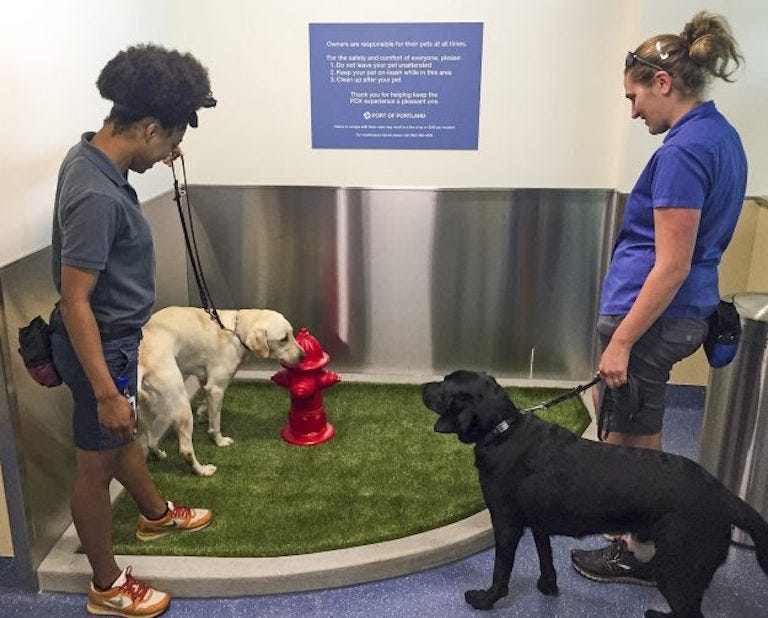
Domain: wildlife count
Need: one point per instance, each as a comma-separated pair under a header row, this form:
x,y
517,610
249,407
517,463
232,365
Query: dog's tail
x,y
141,394
139,379
749,520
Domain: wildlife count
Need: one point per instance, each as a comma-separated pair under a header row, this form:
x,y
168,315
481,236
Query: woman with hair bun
x,y
104,268
662,283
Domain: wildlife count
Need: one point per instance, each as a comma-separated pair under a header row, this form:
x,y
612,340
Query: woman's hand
x,y
614,364
172,156
116,417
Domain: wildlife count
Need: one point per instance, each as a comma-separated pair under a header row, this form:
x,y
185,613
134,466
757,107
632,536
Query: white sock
x,y
644,552
120,580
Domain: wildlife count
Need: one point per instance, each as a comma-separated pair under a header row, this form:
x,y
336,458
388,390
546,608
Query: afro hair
x,y
151,81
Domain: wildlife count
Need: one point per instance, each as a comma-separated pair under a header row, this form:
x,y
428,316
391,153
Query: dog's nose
x,y
428,390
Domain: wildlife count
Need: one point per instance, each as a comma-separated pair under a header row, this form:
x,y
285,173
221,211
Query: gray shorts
x,y
121,356
639,410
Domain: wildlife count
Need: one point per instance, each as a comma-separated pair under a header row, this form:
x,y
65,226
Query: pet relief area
x,y
385,474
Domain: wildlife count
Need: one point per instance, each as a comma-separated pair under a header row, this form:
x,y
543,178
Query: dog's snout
x,y
426,387
430,394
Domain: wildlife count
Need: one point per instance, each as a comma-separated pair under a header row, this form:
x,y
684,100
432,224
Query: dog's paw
x,y
158,453
480,599
547,586
206,470
223,441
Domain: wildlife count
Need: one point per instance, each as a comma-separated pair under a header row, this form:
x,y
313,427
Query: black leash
x,y
631,400
191,243
505,424
567,395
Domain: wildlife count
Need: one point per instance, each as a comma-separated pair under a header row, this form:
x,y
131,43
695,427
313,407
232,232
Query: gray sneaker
x,y
614,563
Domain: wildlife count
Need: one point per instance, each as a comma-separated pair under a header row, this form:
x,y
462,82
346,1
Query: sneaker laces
x,y
182,511
616,551
620,558
134,588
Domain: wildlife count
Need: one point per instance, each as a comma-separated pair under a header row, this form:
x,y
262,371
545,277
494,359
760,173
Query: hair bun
x,y
149,80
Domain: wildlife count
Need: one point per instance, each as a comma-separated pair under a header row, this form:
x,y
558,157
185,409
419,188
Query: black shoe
x,y
614,563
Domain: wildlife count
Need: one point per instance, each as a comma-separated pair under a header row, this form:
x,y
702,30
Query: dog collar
x,y
505,424
500,428
497,431
234,331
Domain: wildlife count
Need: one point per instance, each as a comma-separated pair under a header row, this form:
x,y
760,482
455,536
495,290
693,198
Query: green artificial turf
x,y
384,475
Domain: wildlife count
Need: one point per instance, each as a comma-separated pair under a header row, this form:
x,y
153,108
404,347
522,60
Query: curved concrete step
x,y
66,570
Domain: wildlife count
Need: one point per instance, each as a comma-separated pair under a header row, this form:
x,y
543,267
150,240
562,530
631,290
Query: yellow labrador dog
x,y
180,342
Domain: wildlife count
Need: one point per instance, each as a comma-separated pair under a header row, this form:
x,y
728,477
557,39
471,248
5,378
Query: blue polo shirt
x,y
98,225
701,164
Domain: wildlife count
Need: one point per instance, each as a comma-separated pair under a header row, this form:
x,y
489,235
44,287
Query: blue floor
x,y
739,589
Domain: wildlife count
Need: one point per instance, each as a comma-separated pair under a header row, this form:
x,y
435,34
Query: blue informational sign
x,y
400,85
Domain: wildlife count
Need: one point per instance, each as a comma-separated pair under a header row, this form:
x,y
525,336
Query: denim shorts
x,y
638,409
122,360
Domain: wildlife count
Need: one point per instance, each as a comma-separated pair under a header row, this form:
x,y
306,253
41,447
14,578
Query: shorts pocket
x,y
606,324
122,358
685,335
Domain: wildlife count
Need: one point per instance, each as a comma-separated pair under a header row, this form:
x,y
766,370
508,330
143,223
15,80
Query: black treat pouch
x,y
35,350
722,340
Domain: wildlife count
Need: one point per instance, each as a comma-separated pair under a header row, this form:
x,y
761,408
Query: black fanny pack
x,y
35,350
722,340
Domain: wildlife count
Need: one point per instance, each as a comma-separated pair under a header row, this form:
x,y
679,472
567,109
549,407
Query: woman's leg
x,y
652,441
133,474
92,512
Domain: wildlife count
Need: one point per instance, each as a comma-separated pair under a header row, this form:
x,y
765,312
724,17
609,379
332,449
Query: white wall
x,y
552,113
550,95
743,102
50,56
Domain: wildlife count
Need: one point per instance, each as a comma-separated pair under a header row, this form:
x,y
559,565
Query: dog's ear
x,y
256,341
466,421
446,424
459,417
252,330
444,403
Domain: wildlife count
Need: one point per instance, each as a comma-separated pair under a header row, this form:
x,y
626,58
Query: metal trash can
x,y
734,439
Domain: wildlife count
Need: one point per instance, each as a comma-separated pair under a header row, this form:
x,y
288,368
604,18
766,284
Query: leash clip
x,y
567,395
540,406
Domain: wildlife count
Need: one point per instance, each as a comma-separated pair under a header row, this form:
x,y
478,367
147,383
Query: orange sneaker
x,y
127,597
178,519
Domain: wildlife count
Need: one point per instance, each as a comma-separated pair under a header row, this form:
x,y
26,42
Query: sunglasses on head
x,y
208,102
631,58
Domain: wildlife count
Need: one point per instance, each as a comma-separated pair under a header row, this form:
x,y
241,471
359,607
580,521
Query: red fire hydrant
x,y
307,421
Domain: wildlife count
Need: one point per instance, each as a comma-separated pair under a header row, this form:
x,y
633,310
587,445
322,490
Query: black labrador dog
x,y
541,476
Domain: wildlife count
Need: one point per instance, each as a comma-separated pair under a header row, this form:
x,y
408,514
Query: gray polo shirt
x,y
98,225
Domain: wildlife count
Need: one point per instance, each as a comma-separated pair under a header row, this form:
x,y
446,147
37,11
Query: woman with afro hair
x,y
103,268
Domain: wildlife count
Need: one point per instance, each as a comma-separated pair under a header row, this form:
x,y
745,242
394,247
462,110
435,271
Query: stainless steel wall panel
x,y
408,280
171,266
279,248
40,417
515,279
